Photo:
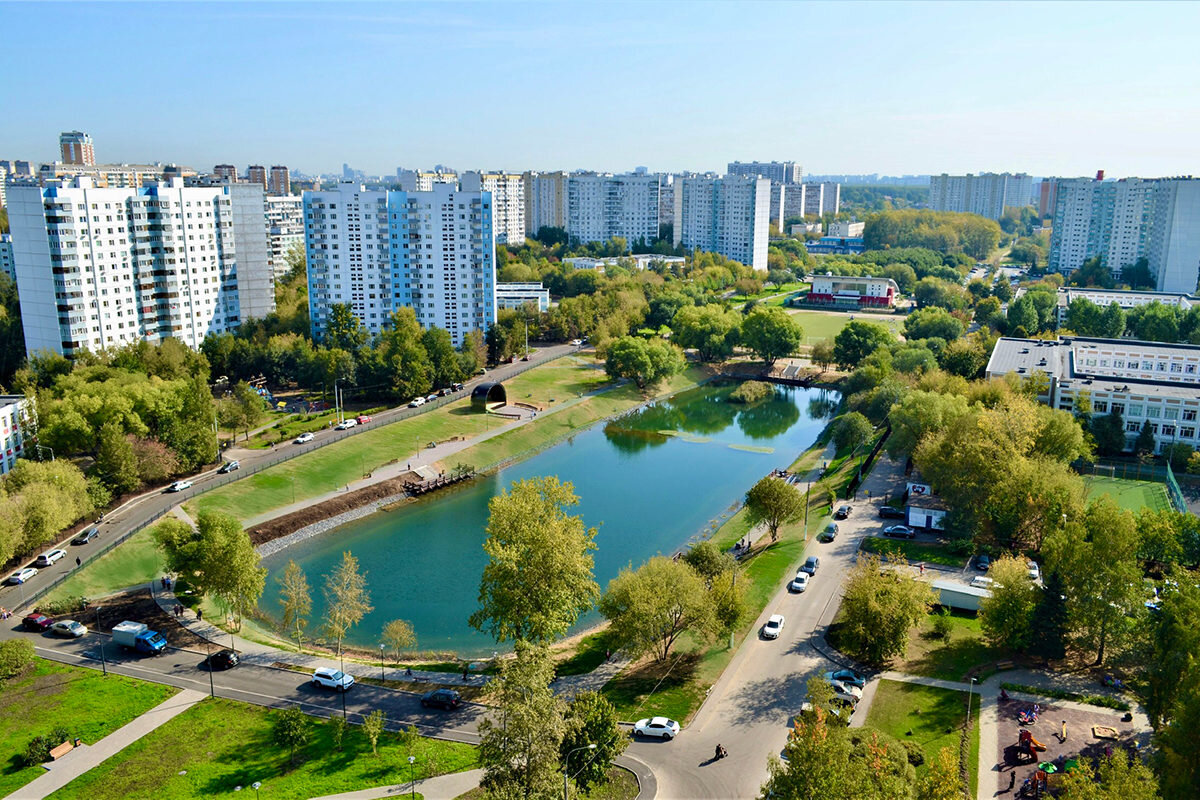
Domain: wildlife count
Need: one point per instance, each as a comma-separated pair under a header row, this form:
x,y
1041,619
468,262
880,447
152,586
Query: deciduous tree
x,y
651,607
295,599
879,606
771,333
775,502
852,431
592,720
398,635
858,340
710,330
1006,616
645,362
346,598
291,729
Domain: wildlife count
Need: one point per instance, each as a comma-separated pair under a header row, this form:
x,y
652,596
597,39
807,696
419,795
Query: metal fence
x,y
1137,471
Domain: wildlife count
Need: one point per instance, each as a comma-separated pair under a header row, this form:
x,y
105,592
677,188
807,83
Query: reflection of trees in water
x,y
632,440
769,418
823,406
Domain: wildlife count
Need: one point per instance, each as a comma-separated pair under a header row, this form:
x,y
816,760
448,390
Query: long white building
x,y
100,268
602,205
727,215
508,202
379,251
986,195
1122,221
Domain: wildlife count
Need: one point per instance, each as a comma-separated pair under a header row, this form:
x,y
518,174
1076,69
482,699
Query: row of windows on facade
x,y
1146,366
1151,411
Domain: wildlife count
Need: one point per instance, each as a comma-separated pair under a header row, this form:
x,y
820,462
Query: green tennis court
x,y
1130,495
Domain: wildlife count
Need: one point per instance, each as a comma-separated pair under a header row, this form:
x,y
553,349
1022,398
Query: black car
x,y
224,659
842,512
229,466
890,512
447,699
983,563
456,387
86,535
830,533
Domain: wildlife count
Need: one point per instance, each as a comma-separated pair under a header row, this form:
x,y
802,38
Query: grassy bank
x,y
913,551
219,744
136,561
929,716
88,704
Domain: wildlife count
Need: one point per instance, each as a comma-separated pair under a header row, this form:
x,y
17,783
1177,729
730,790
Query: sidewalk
x,y
85,757
443,787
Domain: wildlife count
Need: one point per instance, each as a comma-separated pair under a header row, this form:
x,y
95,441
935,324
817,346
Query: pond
x,y
649,481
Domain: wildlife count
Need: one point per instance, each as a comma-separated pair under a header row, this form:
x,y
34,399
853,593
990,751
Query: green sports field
x,y
1130,495
819,325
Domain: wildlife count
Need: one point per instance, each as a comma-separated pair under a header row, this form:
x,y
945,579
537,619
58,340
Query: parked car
x,y
891,512
799,583
229,466
663,728
179,486
811,565
69,628
842,512
900,532
456,387
304,438
330,678
830,533
1035,571
846,693
36,622
576,342
429,398
443,392
48,558
982,562
363,419
417,402
774,627
345,424
222,660
447,699
22,575
86,535
847,676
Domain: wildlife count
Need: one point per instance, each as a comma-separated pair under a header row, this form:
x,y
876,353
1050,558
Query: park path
x,y
83,758
443,787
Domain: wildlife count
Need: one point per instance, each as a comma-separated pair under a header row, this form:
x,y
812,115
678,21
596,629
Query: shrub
x,y
1104,701
16,655
65,605
915,753
942,625
751,392
38,750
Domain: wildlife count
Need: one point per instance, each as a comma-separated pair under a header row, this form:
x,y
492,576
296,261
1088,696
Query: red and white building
x,y
848,291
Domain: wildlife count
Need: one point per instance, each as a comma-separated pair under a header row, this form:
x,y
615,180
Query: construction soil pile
x,y
290,523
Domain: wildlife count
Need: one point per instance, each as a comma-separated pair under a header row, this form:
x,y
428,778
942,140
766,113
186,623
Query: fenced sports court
x,y
1135,486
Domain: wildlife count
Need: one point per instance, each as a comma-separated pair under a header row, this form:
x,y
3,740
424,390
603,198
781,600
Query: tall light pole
x,y
567,764
970,694
342,686
103,660
412,780
381,673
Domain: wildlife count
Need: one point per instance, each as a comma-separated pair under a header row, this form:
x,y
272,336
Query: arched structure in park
x,y
487,395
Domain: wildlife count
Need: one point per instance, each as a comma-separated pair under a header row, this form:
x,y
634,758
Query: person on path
x,y
77,561
199,614
464,673
1063,736
922,567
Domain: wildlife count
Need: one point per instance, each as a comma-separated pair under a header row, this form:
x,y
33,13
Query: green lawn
x,y
819,325
587,654
777,293
88,704
136,561
933,716
219,744
951,658
914,552
621,785
1129,495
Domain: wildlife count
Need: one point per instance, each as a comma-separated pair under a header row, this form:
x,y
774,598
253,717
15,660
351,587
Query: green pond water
x,y
650,481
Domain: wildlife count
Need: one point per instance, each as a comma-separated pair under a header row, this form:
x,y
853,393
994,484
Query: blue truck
x,y
137,636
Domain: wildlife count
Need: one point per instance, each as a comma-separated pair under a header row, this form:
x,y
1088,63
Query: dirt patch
x,y
139,605
290,523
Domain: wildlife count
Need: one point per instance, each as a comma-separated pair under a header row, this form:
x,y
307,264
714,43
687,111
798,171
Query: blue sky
x,y
1050,89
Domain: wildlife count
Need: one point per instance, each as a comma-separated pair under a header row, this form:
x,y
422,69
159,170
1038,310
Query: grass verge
x,y
219,744
621,785
85,702
820,325
913,552
1101,700
137,560
929,716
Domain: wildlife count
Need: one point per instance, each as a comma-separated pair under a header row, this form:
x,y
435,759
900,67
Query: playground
x,y
1032,746
1130,495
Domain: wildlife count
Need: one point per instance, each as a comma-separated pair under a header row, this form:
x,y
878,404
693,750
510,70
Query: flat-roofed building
x,y
1126,300
845,291
17,424
516,295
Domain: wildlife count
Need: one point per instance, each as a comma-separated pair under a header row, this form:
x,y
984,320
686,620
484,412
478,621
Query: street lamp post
x,y
256,786
970,694
212,689
381,673
103,660
412,780
567,764
342,669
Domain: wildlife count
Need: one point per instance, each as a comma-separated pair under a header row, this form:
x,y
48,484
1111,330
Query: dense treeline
x,y
944,231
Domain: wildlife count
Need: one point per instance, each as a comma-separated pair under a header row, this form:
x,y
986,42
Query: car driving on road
x,y
48,558
229,466
21,575
345,424
799,583
222,660
304,438
179,486
416,402
811,565
330,678
446,699
86,535
661,727
773,627
900,532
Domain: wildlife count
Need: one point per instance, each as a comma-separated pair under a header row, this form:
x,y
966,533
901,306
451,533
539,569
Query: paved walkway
x,y
85,757
443,787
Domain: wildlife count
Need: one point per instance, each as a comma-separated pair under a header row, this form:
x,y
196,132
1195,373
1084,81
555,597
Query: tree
x,y
115,460
538,579
771,333
878,607
1119,777
942,780
645,362
216,557
1172,658
1051,620
858,340
372,727
520,741
950,295
1023,314
919,413
710,330
290,729
651,607
708,560
1006,617
447,367
344,331
1108,432
346,598
1113,321
250,406
852,431
1144,443
592,720
775,502
398,635
405,364
296,601
930,323
155,461
821,354
1138,275
1178,762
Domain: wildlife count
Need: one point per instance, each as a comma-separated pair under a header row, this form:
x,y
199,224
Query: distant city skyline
x,y
888,88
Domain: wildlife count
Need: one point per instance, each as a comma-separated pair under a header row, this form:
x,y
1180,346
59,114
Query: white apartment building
x,y
285,229
415,180
380,251
666,200
727,215
508,202
114,176
641,261
6,256
517,295
17,418
602,205
846,230
779,172
545,201
100,268
1125,300
987,194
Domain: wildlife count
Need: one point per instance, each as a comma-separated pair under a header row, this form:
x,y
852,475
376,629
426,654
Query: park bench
x,y
61,750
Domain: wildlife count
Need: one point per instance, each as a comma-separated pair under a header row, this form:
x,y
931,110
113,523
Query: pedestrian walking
x,y
922,567
77,561
199,614
464,673
1064,731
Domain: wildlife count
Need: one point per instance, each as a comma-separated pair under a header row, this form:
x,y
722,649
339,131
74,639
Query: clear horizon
x,y
849,88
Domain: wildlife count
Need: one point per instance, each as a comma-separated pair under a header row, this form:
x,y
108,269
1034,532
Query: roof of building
x,y
930,501
955,586
1123,298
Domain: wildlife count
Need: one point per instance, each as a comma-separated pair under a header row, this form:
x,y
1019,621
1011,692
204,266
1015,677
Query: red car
x,y
363,419
37,622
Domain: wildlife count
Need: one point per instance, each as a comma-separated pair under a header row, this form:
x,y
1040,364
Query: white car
x,y
1035,571
982,582
179,486
773,627
304,438
846,693
417,402
330,678
663,728
22,575
70,628
346,424
48,558
577,342
799,583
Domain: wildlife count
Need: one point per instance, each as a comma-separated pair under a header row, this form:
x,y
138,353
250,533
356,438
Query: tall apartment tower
x,y
601,206
280,183
257,174
545,201
285,229
780,172
508,202
986,195
99,268
226,172
380,251
727,215
415,180
76,148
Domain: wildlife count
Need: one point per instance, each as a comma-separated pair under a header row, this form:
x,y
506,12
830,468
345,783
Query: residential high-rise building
x,y
666,200
508,202
1047,194
100,267
727,215
780,172
113,176
415,180
76,148
256,173
380,251
545,201
280,182
3,184
602,205
986,195
17,168
6,256
226,172
18,421
285,229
